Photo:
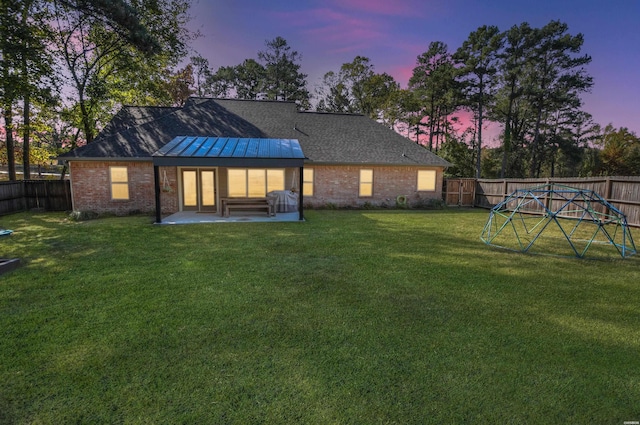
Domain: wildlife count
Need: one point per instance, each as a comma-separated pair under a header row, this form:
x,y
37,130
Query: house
x,y
170,159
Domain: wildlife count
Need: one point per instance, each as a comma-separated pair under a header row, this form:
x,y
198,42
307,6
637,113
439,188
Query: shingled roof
x,y
325,138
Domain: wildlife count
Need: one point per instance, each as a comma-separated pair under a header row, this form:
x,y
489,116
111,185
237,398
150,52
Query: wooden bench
x,y
229,204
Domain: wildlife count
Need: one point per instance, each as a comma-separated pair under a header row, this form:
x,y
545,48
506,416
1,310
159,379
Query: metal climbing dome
x,y
559,220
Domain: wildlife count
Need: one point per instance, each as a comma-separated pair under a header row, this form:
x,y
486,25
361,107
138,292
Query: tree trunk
x,y
431,123
478,159
88,130
533,167
26,164
26,150
506,144
8,126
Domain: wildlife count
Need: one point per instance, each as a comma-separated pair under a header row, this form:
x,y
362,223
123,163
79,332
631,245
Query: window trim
x,y
115,183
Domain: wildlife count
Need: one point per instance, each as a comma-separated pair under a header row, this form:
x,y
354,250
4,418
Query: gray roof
x,y
325,138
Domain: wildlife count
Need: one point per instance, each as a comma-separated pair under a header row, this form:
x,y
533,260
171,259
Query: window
x,y
237,183
426,180
119,183
254,182
307,181
275,180
257,183
366,182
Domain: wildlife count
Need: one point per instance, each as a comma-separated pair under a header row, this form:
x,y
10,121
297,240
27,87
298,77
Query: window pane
x,y
257,183
208,188
237,183
275,180
190,188
119,175
307,177
120,191
366,189
366,182
426,180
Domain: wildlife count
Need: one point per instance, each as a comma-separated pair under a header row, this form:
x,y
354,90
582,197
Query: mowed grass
x,y
352,317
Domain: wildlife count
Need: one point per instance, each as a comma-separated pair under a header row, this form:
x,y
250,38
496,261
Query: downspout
x,y
156,182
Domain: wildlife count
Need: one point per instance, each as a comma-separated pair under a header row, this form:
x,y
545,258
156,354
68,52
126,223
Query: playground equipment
x,y
560,220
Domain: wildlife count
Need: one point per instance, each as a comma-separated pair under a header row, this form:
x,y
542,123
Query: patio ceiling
x,y
193,151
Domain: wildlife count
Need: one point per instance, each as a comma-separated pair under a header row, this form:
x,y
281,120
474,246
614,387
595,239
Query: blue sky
x,y
392,33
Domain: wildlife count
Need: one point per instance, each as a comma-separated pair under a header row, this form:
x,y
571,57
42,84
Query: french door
x,y
198,189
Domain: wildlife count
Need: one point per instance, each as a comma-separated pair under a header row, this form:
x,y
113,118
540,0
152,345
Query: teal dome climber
x,y
558,220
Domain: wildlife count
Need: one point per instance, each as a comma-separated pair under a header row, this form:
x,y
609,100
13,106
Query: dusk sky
x,y
392,33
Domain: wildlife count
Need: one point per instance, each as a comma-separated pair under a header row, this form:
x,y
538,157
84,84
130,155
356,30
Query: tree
x,y
11,33
513,60
355,76
283,79
556,78
334,94
26,71
379,91
478,56
223,81
434,84
98,53
458,152
620,154
201,75
180,85
122,17
249,80
356,88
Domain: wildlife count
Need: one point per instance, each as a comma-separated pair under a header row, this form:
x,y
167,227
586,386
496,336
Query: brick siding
x,y
339,186
333,185
91,189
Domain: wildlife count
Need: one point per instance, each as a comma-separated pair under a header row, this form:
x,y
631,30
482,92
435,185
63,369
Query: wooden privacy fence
x,y
622,192
23,195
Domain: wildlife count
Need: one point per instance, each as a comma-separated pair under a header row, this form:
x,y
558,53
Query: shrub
x,y
83,215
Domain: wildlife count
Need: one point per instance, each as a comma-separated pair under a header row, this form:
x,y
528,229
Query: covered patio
x,y
191,217
223,153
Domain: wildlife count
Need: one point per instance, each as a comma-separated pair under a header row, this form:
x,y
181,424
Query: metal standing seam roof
x,y
188,150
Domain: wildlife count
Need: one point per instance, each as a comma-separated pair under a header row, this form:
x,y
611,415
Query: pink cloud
x,y
339,32
381,7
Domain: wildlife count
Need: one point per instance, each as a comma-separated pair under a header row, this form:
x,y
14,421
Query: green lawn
x,y
352,317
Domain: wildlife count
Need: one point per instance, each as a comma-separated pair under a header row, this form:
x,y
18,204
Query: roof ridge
x,y
348,114
150,107
285,102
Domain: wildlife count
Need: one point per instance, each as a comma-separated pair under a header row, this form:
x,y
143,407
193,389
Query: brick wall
x,y
333,185
339,186
91,189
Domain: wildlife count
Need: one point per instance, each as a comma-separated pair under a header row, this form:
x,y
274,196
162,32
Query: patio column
x,y
300,196
156,182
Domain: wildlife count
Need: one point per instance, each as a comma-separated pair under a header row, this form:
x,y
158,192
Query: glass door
x,y
207,190
198,189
